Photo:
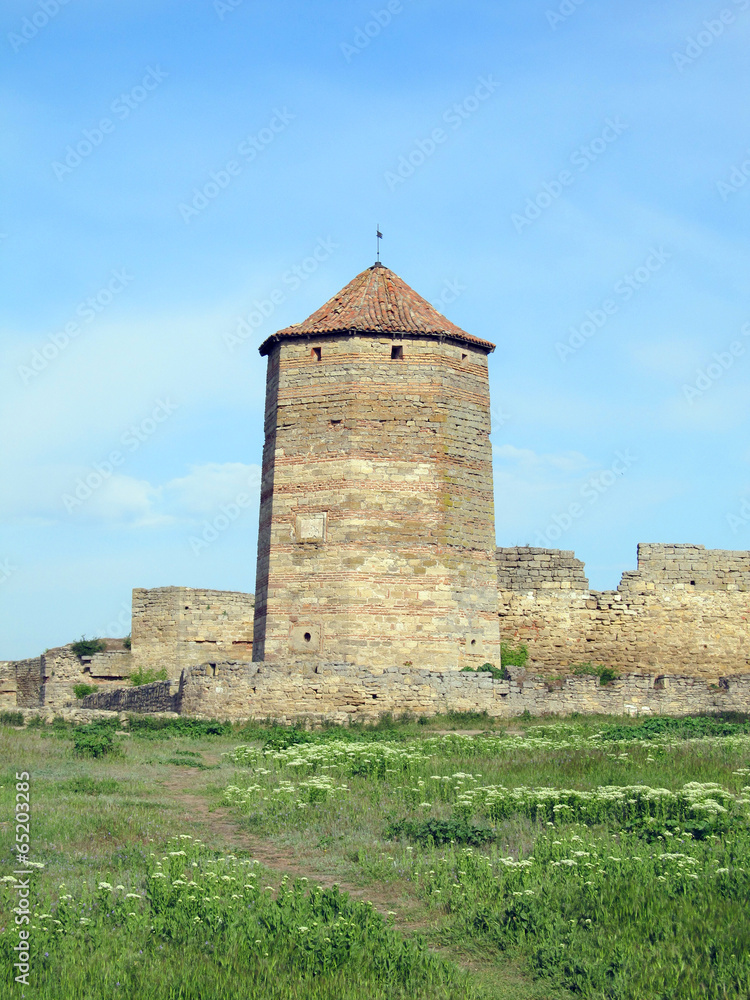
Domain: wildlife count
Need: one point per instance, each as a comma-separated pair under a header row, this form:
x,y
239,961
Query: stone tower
x,y
377,524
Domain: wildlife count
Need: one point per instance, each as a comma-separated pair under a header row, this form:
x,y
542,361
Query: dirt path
x,y
224,830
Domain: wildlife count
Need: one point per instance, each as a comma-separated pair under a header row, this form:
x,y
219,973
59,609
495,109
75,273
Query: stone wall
x,y
29,682
686,610
8,688
343,693
525,568
62,669
146,698
175,627
377,535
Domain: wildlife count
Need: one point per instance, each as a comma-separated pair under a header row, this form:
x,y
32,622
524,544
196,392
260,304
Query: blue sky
x,y
568,180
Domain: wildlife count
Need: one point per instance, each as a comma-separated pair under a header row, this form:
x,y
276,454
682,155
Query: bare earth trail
x,y
219,827
224,830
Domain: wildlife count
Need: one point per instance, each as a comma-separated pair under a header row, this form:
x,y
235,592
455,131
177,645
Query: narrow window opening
x,y
397,353
473,642
308,637
317,353
692,583
464,357
335,422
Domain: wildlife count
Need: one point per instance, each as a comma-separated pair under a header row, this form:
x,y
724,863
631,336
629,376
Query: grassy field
x,y
597,858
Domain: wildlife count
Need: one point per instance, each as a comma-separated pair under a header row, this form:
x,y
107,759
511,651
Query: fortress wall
x,y
8,689
343,693
29,682
62,670
175,627
525,568
146,698
686,610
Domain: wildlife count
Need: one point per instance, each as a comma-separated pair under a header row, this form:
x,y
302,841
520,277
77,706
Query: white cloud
x,y
564,461
206,487
60,494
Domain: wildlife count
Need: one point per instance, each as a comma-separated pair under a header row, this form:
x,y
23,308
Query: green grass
x,y
143,676
494,892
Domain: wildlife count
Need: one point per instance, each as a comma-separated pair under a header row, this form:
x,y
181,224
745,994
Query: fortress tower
x,y
377,524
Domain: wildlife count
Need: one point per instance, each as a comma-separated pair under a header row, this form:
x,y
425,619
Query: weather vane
x,y
379,238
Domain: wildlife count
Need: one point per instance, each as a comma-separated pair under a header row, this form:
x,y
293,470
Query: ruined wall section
x,y
8,689
344,693
686,610
526,568
688,567
377,513
175,627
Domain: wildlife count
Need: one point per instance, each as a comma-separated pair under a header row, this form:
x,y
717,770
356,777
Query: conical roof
x,y
377,301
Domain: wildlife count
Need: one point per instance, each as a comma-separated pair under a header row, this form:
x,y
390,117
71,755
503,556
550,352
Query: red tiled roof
x,y
376,301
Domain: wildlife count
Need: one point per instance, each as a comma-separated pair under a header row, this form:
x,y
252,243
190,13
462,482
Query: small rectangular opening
x,y
397,353
317,353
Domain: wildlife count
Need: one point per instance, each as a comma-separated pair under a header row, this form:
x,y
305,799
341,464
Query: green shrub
x,y
439,831
87,647
96,739
11,718
514,655
689,727
467,718
150,727
605,674
83,785
127,642
147,676
81,690
499,673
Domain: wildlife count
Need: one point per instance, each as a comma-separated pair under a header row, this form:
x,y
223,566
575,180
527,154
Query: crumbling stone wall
x,y
175,627
146,698
29,682
685,610
344,693
8,688
377,534
62,669
526,568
